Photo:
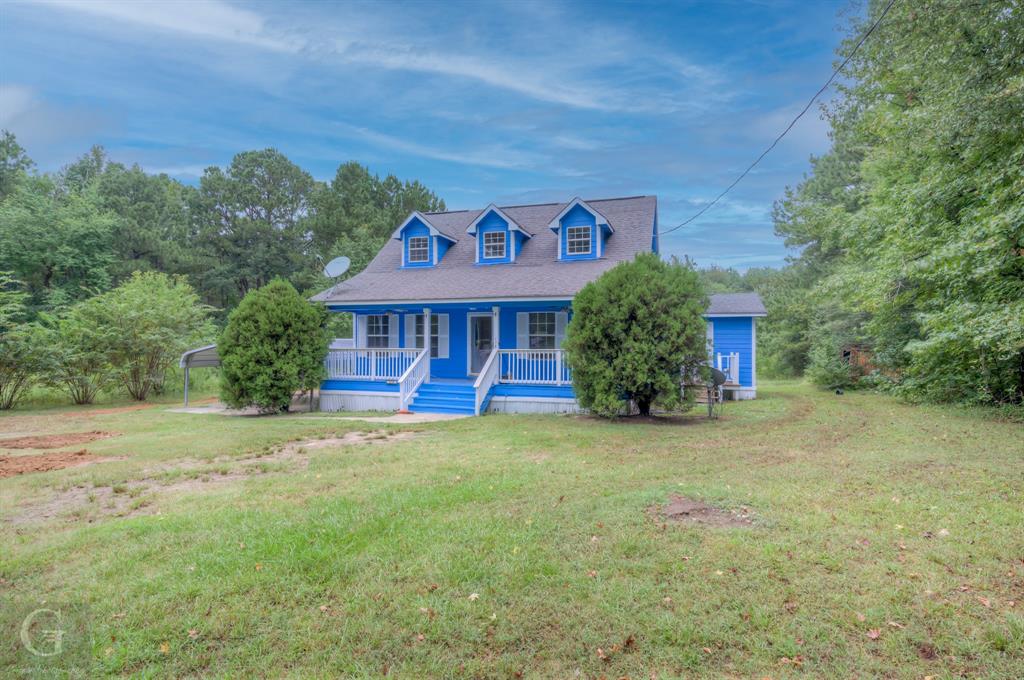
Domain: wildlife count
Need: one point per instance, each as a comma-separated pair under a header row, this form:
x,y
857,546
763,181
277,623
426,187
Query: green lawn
x,y
888,540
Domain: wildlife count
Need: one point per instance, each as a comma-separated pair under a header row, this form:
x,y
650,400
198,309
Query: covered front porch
x,y
501,356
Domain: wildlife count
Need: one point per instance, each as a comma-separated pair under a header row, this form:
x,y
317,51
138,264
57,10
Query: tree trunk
x,y
644,405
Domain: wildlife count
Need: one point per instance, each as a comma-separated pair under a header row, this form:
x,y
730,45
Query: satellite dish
x,y
337,267
717,377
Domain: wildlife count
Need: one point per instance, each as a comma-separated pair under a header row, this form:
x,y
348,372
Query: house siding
x,y
490,224
579,217
417,228
736,334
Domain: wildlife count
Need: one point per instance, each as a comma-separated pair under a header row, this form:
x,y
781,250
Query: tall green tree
x,y
249,224
913,226
14,163
59,245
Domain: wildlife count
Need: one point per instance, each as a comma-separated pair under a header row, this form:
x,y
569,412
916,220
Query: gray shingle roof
x,y
737,303
535,273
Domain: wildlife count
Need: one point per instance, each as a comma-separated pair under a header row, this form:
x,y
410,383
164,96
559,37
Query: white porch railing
x,y
534,367
414,376
730,365
489,375
369,364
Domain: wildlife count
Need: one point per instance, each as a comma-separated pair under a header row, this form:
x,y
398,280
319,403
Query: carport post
x,y
186,385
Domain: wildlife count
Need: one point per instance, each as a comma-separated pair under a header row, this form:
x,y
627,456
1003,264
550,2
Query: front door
x,y
480,342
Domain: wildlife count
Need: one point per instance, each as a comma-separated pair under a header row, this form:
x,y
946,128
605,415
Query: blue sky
x,y
507,102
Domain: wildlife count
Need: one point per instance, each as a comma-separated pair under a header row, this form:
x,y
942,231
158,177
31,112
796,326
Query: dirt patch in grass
x,y
44,462
54,441
137,496
109,411
687,510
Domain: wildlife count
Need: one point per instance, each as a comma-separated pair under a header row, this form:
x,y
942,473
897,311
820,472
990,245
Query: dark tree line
x,y
69,235
910,231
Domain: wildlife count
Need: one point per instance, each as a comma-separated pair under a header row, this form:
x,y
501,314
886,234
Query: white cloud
x,y
15,100
209,19
547,69
491,157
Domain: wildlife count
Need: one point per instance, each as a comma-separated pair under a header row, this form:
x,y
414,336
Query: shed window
x,y
577,241
494,244
377,330
434,328
419,249
542,330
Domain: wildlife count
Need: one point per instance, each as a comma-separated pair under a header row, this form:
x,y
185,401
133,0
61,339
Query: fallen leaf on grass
x,y
592,574
259,567
473,597
193,633
985,601
165,648
895,624
860,617
707,650
323,608
797,660
874,633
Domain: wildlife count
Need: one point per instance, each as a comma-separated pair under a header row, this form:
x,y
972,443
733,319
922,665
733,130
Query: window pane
x,y
494,244
419,249
542,330
578,240
377,330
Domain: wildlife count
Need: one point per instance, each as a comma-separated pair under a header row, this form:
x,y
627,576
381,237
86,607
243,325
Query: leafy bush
x,y
827,368
274,345
23,348
144,325
79,362
633,331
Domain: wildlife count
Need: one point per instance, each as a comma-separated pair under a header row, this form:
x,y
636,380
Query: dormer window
x,y
419,249
582,231
423,244
577,240
495,244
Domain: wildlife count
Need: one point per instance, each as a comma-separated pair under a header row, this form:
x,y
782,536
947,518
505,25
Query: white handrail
x,y
384,364
534,367
731,367
413,378
489,375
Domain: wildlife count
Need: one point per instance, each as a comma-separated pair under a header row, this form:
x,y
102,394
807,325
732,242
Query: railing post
x,y
558,367
428,338
373,364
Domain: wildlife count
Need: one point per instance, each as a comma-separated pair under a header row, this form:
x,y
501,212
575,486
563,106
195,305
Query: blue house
x,y
465,311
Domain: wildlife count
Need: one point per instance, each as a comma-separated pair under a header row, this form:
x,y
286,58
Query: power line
x,y
789,127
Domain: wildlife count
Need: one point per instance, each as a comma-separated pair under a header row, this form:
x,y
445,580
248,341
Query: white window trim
x,y
504,245
553,334
387,331
568,240
426,251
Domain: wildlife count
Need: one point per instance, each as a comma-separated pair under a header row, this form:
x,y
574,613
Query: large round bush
x,y
273,346
634,332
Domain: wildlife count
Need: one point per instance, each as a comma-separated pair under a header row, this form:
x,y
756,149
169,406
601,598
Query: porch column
x,y
428,339
496,327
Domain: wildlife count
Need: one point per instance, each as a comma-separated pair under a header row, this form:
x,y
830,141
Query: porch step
x,y
443,398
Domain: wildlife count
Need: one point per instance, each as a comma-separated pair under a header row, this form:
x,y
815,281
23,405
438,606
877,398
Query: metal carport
x,y
201,357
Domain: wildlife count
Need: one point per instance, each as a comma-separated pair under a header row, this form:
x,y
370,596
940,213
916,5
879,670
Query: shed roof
x,y
736,304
